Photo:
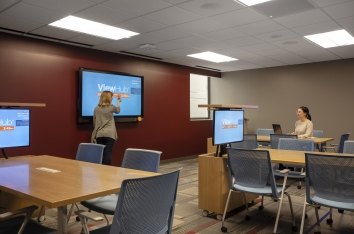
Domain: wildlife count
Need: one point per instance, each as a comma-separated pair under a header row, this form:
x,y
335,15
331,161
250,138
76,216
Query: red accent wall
x,y
33,70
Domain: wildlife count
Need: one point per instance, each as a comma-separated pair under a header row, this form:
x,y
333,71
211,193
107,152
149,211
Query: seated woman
x,y
303,126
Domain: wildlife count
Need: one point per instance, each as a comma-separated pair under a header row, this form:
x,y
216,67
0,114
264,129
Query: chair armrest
x,y
88,215
284,171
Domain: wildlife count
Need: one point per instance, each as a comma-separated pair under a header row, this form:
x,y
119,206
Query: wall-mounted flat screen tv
x,y
14,128
227,126
129,87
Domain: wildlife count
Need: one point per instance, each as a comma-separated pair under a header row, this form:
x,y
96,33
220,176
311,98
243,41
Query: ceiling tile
x,y
172,16
347,23
343,51
88,39
104,14
176,53
324,26
7,3
192,41
141,25
201,26
176,1
303,18
224,34
275,9
259,27
345,9
277,35
65,7
239,17
25,12
324,3
137,7
210,7
18,23
257,48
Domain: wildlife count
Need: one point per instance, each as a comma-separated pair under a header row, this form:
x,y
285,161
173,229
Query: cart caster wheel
x,y
224,229
260,207
77,219
294,228
247,217
329,221
340,211
219,216
205,213
299,187
41,219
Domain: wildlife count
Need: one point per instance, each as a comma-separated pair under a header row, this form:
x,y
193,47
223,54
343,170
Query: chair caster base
x,y
219,217
224,229
294,228
205,213
77,219
329,221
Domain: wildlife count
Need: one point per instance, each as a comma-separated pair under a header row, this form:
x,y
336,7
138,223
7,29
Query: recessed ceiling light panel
x,y
332,39
93,28
252,2
212,57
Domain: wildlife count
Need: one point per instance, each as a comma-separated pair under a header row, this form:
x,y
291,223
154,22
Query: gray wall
x,y
326,88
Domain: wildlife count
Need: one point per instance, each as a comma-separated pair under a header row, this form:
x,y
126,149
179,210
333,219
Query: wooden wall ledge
x,y
21,104
226,106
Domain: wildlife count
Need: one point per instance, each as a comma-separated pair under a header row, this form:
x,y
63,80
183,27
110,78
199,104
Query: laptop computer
x,y
277,129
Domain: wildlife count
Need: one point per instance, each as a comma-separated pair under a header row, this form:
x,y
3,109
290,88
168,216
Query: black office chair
x,y
145,206
249,142
19,222
338,148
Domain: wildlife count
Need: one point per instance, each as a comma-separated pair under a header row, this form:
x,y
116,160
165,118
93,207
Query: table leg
x,y
62,219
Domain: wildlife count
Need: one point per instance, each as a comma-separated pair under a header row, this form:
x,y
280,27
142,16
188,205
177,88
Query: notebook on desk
x,y
277,129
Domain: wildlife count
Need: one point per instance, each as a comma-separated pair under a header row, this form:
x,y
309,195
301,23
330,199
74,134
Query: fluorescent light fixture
x,y
93,28
252,2
332,39
212,57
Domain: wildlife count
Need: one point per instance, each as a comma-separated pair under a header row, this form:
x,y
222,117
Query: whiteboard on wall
x,y
199,94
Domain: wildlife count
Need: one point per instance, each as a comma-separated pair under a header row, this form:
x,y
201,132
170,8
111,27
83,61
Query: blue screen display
x,y
227,126
128,87
14,127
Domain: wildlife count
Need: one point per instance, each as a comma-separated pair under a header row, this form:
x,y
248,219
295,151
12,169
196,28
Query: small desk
x,y
317,140
55,182
294,156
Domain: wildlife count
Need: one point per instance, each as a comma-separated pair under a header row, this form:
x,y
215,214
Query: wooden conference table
x,y
55,182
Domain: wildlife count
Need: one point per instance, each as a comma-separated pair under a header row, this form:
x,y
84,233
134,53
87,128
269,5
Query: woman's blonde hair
x,y
105,98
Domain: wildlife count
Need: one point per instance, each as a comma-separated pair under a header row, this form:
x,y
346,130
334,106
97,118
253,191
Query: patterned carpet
x,y
189,220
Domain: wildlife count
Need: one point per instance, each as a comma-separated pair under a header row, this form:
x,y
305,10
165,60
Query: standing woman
x,y
104,131
304,125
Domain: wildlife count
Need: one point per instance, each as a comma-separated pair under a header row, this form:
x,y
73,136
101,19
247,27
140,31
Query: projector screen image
x,y
227,126
128,87
14,128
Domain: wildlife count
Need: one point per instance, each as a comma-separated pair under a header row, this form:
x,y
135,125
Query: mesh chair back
x,y
142,159
274,139
344,137
251,168
329,177
296,144
348,147
318,133
264,131
249,142
146,205
90,152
